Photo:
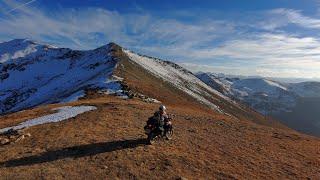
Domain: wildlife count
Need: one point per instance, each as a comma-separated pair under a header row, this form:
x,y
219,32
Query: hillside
x,y
86,114
109,142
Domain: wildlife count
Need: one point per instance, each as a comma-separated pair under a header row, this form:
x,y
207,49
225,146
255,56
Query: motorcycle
x,y
154,133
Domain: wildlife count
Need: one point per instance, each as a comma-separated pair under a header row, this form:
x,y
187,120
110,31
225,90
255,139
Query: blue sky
x,y
275,38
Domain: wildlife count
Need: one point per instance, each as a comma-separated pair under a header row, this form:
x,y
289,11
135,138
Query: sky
x,y
273,38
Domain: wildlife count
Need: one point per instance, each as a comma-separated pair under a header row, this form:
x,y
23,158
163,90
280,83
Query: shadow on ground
x,y
75,152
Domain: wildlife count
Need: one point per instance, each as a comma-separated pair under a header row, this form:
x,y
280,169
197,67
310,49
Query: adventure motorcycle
x,y
154,133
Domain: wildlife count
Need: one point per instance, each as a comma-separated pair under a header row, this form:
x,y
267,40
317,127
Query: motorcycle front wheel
x,y
169,133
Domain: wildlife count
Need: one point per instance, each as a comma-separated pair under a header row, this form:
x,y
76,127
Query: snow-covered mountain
x,y
32,74
288,102
260,93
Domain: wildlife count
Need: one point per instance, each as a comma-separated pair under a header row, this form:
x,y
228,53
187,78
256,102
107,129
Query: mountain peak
x,y
18,42
111,46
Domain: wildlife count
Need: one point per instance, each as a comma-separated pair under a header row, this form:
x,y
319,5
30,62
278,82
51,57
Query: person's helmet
x,y
162,108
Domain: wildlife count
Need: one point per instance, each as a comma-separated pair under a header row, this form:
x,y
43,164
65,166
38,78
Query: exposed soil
x,y
109,143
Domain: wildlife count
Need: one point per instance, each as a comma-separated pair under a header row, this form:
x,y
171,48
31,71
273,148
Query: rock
x,y
151,100
20,138
4,141
23,136
12,132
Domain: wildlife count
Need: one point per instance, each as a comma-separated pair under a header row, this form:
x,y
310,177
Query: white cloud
x,y
273,55
75,28
205,41
295,17
79,28
237,70
269,46
275,71
20,6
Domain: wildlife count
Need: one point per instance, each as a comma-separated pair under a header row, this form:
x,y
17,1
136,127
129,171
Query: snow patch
x,y
63,113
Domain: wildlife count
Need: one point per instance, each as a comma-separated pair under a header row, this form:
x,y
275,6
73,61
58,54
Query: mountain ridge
x,y
80,71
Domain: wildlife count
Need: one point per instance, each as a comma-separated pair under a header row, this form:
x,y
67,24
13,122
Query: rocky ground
x,y
109,143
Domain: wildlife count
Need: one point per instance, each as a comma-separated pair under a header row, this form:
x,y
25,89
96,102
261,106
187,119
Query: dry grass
x,y
109,143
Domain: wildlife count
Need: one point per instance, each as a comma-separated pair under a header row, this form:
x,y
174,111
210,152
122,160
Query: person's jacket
x,y
160,119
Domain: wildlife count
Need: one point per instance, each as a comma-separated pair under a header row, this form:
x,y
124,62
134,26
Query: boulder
x,y
4,141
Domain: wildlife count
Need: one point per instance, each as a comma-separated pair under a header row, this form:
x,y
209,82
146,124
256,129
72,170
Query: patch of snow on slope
x,y
181,78
272,83
63,113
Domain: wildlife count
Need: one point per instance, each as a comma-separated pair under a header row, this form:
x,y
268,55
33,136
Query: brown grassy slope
x,y
142,81
109,143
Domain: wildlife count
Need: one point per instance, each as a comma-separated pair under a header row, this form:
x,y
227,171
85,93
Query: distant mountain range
x,y
277,99
278,79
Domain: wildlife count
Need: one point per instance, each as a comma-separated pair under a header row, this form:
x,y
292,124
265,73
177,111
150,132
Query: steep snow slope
x,y
181,78
33,74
